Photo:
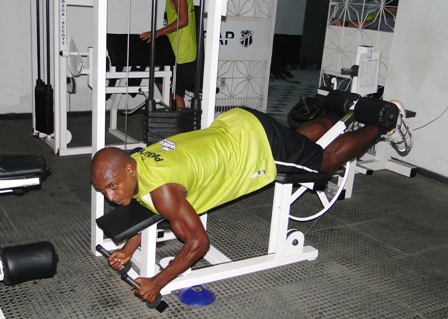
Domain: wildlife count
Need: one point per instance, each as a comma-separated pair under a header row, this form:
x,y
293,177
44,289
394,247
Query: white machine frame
x,y
61,137
122,88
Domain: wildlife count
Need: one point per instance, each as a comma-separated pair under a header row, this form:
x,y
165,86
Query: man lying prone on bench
x,y
242,151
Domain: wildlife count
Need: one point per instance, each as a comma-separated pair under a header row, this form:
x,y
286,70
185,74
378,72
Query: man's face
x,y
118,188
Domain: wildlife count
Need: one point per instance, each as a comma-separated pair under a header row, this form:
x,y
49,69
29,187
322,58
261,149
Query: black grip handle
x,y
103,251
159,304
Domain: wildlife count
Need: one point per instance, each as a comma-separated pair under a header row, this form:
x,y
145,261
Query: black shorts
x,y
293,152
184,75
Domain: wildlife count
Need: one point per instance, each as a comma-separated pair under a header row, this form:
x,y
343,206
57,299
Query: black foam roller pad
x,y
340,102
369,110
28,262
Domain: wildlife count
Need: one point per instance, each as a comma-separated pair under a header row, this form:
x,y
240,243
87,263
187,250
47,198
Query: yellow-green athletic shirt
x,y
229,159
186,51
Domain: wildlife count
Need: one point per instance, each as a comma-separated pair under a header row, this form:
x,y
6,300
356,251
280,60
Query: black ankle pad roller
x,y
340,102
377,112
28,262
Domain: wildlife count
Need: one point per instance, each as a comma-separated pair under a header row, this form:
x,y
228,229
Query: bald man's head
x,y
113,173
108,161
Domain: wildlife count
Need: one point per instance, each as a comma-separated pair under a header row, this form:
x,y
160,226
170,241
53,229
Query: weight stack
x,y
163,123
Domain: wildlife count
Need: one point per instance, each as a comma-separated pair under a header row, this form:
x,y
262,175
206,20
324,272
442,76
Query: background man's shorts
x,y
292,151
185,75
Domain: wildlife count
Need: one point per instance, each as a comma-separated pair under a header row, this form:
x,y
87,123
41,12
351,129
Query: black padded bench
x,y
19,171
124,222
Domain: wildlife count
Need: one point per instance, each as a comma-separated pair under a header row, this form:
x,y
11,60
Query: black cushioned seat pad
x,y
13,165
139,50
124,222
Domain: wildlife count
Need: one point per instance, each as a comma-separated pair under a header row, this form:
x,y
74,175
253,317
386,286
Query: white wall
x,y
15,53
418,76
290,17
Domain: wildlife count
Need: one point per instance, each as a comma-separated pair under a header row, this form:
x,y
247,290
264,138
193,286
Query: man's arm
x,y
180,22
120,257
181,7
170,202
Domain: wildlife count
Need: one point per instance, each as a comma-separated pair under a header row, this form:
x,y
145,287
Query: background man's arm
x,y
179,23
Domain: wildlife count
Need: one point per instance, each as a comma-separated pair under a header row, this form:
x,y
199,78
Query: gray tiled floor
x,y
382,254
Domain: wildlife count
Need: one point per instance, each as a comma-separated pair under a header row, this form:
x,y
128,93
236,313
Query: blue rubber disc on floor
x,y
197,296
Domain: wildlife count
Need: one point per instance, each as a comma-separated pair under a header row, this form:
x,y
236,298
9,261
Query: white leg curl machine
x,y
286,245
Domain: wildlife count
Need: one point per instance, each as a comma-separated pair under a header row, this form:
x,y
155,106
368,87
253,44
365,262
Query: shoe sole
x,y
407,147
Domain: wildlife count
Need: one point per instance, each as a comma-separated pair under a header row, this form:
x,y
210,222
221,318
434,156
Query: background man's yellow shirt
x,y
184,48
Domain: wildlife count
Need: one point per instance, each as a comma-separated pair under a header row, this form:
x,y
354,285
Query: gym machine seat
x,y
19,171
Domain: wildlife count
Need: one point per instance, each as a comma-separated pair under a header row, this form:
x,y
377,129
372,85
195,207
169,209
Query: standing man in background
x,y
180,27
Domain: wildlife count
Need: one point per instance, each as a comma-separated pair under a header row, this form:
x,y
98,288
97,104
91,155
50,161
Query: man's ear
x,y
130,169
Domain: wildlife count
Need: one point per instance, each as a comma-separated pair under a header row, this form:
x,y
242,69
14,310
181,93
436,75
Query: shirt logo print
x,y
167,145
